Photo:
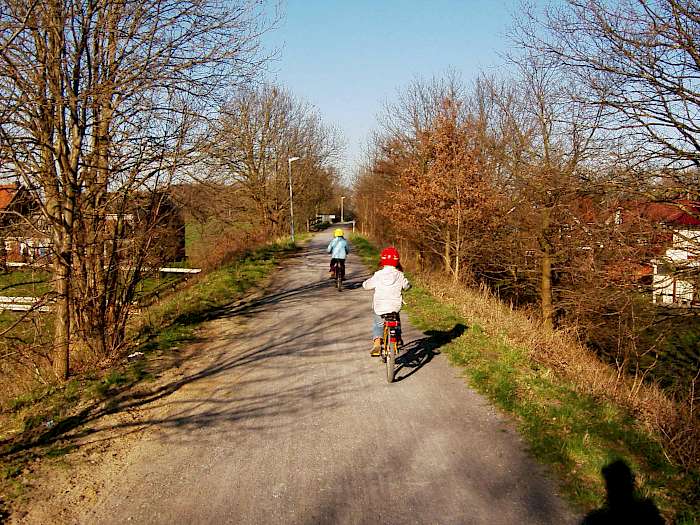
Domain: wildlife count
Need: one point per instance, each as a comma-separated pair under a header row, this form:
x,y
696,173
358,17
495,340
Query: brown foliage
x,y
429,182
443,198
512,188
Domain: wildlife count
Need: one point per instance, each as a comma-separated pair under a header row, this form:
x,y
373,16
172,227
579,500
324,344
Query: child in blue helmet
x,y
339,250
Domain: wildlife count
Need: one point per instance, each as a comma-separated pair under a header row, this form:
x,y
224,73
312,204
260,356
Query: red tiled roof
x,y
681,213
678,213
7,193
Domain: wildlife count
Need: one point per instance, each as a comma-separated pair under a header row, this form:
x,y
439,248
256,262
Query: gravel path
x,y
291,421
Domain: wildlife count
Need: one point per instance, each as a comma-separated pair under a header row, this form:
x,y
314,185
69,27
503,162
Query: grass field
x,y
25,282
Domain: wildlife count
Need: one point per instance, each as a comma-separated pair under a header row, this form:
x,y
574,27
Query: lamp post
x,y
291,195
342,217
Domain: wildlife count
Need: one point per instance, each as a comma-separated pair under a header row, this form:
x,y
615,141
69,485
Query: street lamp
x,y
342,219
291,195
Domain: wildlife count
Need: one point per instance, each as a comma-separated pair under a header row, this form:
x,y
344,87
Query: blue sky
x,y
347,57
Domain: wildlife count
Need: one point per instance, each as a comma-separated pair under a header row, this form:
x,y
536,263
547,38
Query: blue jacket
x,y
338,248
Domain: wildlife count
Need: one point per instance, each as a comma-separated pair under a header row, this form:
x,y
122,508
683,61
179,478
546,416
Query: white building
x,y
676,275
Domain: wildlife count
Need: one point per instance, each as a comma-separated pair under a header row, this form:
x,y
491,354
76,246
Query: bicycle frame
x,y
338,269
390,343
338,264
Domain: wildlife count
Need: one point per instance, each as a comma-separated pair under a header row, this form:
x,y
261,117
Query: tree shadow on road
x,y
129,394
418,353
353,284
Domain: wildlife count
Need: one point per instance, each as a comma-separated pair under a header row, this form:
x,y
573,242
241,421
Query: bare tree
x,y
547,141
636,59
637,64
259,129
102,101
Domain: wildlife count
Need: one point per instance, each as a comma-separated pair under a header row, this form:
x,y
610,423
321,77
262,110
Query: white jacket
x,y
387,283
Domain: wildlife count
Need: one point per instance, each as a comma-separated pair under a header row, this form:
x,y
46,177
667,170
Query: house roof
x,y
679,213
7,193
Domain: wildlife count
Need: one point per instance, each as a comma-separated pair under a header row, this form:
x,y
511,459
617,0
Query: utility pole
x,y
291,196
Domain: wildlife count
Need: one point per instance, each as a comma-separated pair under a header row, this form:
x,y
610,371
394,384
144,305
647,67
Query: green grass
x,y
173,322
25,282
365,249
575,434
193,235
154,286
215,290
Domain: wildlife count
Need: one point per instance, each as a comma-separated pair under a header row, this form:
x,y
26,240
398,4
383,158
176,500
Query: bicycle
x,y
339,273
391,341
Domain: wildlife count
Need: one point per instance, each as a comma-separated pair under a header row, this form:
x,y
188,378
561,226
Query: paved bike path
x,y
292,422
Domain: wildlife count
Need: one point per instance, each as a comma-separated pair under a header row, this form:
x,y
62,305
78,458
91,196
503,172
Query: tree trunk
x,y
457,251
458,238
447,258
547,303
546,277
61,353
3,255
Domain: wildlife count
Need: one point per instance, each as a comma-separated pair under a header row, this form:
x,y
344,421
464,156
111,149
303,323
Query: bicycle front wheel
x,y
390,359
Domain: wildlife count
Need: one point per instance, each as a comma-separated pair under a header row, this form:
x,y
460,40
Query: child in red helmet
x,y
388,284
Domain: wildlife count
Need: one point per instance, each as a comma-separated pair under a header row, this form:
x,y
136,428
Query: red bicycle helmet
x,y
389,257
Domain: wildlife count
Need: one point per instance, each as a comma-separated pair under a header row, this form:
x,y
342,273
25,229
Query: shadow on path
x,y
622,504
420,352
124,398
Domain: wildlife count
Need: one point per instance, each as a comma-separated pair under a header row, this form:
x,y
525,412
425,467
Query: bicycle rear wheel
x,y
338,280
390,359
384,344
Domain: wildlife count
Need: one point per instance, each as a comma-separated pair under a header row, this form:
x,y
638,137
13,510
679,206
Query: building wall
x,y
675,280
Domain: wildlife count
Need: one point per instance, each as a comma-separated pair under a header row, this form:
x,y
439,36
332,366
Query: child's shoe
x,y
376,347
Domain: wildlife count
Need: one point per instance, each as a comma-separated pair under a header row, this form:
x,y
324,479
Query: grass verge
x,y
566,427
40,424
25,282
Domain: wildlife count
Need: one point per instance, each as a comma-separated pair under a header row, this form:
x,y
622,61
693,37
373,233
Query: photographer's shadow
x,y
418,353
622,503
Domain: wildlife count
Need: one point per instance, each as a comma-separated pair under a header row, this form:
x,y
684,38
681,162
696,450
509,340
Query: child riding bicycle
x,y
339,250
388,284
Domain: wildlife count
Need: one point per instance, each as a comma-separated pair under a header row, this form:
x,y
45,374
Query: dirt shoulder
x,y
61,489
